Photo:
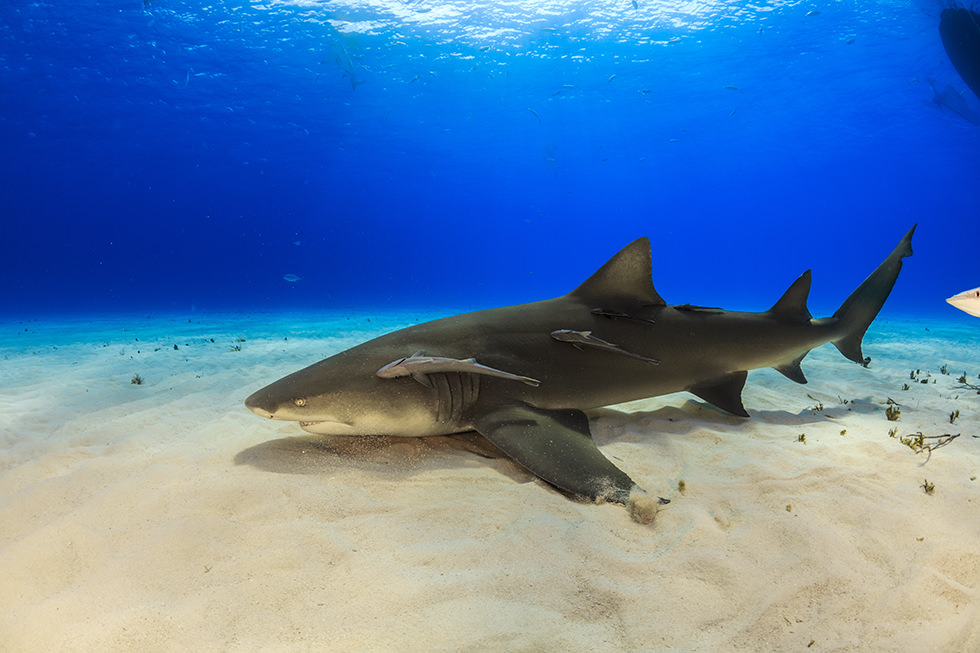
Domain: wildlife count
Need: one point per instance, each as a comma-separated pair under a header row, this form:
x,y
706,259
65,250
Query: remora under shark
x,y
516,375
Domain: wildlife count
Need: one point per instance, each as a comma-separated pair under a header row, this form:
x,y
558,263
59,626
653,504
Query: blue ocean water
x,y
166,156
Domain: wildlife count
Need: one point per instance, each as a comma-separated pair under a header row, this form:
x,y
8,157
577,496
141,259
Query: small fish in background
x,y
341,56
967,301
291,278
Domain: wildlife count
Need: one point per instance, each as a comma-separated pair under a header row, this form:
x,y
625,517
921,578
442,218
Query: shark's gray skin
x,y
705,351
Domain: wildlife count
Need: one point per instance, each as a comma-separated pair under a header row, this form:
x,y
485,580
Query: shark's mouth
x,y
326,427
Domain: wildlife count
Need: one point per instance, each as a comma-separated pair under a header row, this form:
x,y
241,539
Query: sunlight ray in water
x,y
619,21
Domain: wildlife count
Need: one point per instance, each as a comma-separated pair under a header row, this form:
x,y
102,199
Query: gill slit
x,y
455,393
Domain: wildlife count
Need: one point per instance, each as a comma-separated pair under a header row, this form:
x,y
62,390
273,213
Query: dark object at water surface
x,y
960,31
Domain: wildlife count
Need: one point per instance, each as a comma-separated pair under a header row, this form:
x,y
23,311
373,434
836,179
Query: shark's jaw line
x,y
327,427
523,375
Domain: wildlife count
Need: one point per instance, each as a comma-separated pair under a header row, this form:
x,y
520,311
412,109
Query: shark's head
x,y
342,395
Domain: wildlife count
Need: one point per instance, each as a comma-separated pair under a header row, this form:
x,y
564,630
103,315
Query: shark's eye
x,y
299,401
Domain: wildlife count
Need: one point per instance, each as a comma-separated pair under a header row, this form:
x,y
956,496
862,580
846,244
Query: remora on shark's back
x,y
522,375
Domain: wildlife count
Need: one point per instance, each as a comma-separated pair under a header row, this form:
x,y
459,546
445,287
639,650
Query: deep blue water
x,y
174,157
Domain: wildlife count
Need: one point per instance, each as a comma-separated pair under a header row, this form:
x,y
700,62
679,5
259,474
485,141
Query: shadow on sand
x,y
319,454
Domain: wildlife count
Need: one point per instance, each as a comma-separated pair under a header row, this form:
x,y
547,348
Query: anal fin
x,y
725,393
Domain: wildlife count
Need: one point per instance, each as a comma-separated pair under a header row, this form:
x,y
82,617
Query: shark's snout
x,y
270,404
258,403
261,412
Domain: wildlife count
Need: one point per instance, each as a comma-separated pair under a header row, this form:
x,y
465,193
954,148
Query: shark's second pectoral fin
x,y
725,393
556,445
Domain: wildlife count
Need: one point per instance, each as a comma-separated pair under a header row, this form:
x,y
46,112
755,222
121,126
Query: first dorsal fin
x,y
791,307
626,276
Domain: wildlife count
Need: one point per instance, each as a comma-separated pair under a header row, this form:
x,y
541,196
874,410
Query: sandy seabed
x,y
164,516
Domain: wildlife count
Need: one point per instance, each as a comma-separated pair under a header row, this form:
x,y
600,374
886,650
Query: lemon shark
x,y
523,375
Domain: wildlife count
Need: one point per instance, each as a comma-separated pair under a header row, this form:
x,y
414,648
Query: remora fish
x,y
580,339
967,301
703,351
420,367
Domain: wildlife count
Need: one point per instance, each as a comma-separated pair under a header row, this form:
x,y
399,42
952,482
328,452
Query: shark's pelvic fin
x,y
860,309
791,307
792,370
557,446
725,393
624,280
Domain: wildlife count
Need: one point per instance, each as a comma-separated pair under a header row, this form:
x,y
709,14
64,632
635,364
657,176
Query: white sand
x,y
165,516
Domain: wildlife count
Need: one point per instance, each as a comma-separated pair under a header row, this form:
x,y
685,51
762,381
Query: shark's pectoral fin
x,y
725,393
792,370
556,445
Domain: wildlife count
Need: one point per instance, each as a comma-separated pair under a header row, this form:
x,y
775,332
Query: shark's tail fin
x,y
859,310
